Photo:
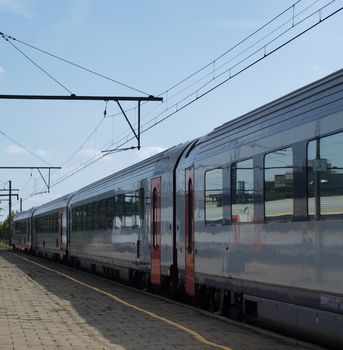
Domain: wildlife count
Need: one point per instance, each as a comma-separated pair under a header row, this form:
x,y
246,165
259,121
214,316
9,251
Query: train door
x,y
155,231
61,235
189,231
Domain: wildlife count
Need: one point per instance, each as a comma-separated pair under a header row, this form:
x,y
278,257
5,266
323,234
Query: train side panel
x,y
269,211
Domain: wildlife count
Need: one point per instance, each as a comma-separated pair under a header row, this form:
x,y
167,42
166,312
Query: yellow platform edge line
x,y
193,333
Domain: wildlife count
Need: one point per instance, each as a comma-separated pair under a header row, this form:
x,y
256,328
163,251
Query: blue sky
x,y
149,45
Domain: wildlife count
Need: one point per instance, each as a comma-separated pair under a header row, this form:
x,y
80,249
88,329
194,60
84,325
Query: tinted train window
x,y
242,194
20,227
129,211
102,215
278,184
325,175
140,207
214,196
110,210
73,219
130,203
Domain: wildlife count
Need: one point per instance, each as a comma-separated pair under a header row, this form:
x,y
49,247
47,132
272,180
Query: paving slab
x,y
69,310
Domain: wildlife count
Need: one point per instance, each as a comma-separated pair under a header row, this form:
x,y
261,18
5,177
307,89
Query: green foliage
x,y
5,230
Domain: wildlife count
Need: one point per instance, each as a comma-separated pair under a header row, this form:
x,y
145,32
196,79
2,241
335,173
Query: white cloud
x,y
90,152
15,150
16,7
2,70
146,152
42,153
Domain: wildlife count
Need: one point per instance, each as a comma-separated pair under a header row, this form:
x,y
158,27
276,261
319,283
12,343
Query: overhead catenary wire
x,y
172,110
24,148
197,94
35,64
206,88
9,37
85,141
169,96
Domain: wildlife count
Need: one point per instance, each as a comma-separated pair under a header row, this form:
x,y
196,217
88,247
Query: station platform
x,y
44,305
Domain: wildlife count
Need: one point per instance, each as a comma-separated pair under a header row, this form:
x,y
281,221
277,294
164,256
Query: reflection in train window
x,y
242,194
278,184
214,196
110,210
129,211
120,211
325,175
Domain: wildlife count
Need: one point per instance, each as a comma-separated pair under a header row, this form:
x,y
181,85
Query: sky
x,y
149,45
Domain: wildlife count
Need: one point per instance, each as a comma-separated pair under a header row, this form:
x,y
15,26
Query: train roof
x,y
24,214
285,112
57,203
153,166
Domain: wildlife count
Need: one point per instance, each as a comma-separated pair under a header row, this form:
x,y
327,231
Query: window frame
x,y
207,223
321,216
278,218
254,190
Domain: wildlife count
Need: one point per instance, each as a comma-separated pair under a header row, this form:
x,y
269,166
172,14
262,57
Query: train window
x,y
110,210
278,184
73,219
214,197
78,219
102,215
56,222
325,175
119,213
88,217
140,207
242,193
129,210
20,227
95,216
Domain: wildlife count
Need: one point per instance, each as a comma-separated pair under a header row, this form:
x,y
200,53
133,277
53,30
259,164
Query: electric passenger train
x,y
246,220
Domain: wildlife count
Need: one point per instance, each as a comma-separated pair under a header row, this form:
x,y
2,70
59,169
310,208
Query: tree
x,y
5,233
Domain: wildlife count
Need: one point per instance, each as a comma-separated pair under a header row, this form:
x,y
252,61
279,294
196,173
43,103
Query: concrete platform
x,y
48,306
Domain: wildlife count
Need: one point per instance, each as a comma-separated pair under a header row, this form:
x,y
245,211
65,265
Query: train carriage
x,y
51,229
120,223
22,230
246,220
268,209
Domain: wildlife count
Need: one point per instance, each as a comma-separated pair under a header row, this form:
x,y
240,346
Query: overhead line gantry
x,y
117,99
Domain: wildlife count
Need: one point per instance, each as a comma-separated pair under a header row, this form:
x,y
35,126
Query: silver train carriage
x,y
246,220
50,229
22,230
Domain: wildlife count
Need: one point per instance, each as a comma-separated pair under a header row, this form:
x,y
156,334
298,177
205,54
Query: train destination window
x,y
214,196
325,175
278,184
242,193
